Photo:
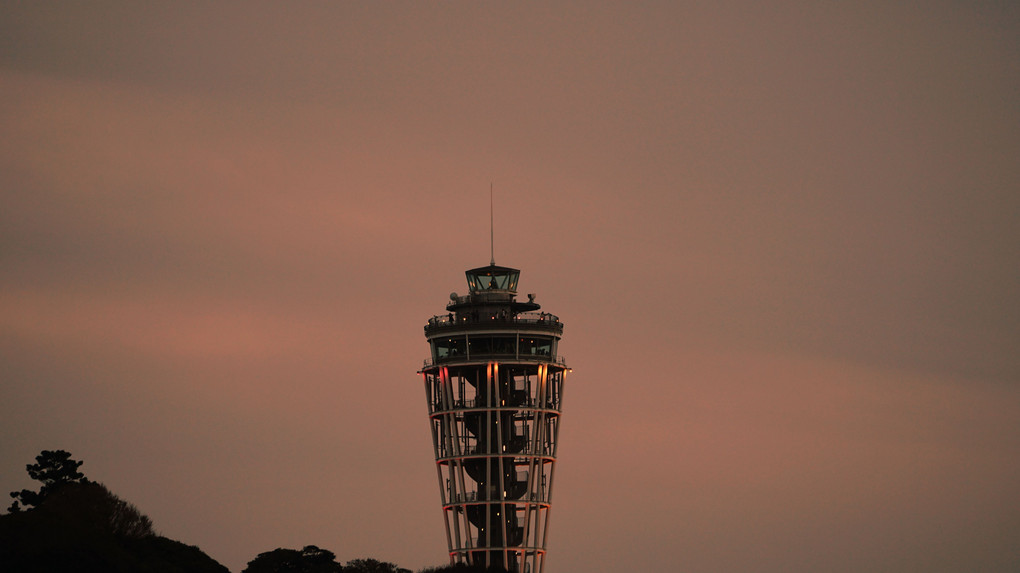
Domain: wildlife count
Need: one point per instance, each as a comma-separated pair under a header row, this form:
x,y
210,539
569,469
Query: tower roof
x,y
492,277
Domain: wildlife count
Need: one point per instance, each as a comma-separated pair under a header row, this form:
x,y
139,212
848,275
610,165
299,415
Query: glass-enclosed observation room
x,y
492,277
452,347
501,345
482,346
535,346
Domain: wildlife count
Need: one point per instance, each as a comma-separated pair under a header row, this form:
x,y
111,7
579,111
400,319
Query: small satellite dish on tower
x,y
453,296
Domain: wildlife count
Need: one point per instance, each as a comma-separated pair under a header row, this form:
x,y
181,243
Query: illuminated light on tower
x,y
494,386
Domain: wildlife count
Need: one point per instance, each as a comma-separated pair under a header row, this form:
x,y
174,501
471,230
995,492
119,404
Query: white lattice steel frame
x,y
494,415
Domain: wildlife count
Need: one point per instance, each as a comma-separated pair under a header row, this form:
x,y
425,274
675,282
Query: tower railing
x,y
528,403
539,451
532,320
483,358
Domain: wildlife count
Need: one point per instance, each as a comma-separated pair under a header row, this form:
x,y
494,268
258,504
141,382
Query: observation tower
x,y
494,386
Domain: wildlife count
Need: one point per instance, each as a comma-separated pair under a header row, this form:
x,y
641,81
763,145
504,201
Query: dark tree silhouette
x,y
372,566
54,469
311,559
74,524
92,505
456,568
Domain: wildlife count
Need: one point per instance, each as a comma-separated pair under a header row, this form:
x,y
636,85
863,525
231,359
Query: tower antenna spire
x,y
492,234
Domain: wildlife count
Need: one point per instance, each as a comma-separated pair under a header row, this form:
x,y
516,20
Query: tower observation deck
x,y
494,386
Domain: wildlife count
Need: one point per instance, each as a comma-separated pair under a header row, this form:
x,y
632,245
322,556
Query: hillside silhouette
x,y
76,525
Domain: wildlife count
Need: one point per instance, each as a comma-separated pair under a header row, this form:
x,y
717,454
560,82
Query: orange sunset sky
x,y
784,241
